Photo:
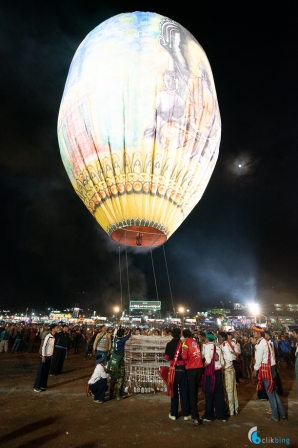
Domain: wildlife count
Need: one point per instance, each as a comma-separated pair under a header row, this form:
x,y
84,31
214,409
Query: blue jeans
x,y
16,345
88,349
274,401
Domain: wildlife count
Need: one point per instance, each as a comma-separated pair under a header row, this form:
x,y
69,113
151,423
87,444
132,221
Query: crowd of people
x,y
214,360
108,349
22,338
218,360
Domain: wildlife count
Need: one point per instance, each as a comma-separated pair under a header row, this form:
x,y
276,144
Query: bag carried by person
x,y
210,371
167,373
114,364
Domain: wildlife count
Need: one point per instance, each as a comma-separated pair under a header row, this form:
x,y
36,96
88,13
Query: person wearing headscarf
x,y
98,381
213,382
265,360
274,347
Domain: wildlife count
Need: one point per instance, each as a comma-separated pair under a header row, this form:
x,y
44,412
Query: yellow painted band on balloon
x,y
134,204
136,208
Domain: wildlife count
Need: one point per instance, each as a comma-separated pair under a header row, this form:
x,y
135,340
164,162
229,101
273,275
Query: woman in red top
x,y
191,354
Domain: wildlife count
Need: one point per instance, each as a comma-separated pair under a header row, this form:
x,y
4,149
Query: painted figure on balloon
x,y
186,112
169,107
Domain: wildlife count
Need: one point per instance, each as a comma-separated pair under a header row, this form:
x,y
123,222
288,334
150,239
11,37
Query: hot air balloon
x,y
139,126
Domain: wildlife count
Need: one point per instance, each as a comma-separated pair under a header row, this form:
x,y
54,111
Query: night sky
x,y
240,242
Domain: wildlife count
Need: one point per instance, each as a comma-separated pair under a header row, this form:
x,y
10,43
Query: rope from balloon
x,y
121,297
154,276
155,282
164,253
127,274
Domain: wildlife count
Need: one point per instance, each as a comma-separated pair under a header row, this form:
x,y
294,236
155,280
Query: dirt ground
x,y
64,417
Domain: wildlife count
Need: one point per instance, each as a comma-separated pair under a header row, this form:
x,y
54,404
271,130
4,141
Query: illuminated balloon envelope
x,y
139,126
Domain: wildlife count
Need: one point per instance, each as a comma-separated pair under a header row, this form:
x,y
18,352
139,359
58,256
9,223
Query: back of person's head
x,y
120,333
210,336
223,335
187,333
100,358
176,333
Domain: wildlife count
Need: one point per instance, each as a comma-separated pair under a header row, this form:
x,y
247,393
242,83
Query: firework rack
x,y
143,356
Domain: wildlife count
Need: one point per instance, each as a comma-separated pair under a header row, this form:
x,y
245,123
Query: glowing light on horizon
x,y
254,308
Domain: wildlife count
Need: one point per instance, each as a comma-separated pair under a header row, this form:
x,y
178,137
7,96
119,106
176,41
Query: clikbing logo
x,y
254,438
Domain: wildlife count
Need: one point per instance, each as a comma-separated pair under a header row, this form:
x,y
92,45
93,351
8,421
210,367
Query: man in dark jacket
x,y
285,349
62,341
247,354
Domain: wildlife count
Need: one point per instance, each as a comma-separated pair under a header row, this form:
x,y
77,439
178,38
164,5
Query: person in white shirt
x,y
45,361
274,367
98,380
213,382
265,366
229,355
